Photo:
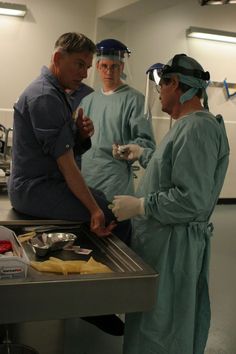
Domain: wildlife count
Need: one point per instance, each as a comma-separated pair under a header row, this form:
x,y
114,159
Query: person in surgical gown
x,y
117,112
171,215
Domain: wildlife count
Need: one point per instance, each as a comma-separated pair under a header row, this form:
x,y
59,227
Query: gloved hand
x,y
125,207
129,152
117,152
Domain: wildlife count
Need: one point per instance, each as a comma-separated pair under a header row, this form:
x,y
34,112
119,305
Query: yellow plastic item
x,y
56,265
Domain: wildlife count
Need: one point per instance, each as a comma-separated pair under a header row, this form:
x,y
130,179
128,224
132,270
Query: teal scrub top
x,y
117,118
181,186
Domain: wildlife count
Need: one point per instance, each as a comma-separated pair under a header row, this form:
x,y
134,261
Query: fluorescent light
x,y
214,35
9,9
216,2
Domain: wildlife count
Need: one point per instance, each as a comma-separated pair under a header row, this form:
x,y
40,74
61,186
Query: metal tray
x,y
42,296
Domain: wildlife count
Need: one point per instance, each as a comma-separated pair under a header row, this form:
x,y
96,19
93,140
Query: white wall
x,y
153,29
26,43
105,7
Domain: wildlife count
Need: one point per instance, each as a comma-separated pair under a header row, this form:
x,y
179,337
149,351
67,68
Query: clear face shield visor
x,y
152,88
113,63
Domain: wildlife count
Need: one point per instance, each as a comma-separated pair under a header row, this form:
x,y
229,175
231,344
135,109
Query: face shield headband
x,y
112,48
198,74
195,78
112,54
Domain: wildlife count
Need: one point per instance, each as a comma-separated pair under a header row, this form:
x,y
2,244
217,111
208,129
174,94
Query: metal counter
x,y
10,217
130,287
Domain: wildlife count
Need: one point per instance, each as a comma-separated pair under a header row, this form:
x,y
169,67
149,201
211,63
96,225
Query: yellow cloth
x,y
56,265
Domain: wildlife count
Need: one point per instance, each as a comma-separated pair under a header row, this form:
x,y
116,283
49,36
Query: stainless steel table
x,y
10,217
44,296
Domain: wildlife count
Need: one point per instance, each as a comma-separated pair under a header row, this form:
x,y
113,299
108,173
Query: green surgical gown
x,y
117,118
181,186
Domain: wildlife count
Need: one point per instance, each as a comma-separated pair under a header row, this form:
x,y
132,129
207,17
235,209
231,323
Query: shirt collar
x,y
45,72
52,78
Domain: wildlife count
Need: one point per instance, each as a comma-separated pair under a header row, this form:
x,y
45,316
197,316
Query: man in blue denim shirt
x,y
45,181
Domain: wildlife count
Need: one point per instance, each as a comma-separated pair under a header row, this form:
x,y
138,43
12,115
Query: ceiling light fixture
x,y
210,34
216,2
9,9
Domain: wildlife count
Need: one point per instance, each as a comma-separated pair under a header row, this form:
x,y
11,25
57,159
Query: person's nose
x,y
109,68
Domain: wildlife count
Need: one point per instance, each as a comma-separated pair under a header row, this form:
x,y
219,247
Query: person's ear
x,y
174,82
56,58
97,64
122,66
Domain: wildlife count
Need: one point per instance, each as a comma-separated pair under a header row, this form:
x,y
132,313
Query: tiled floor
x,y
222,339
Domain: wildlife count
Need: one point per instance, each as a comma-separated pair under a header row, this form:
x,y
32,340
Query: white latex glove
x,y
129,152
125,207
117,152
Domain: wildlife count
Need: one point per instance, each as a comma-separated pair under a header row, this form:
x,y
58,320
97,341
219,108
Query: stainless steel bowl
x,y
49,242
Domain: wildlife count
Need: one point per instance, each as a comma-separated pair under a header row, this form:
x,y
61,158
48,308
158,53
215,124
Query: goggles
x,y
105,67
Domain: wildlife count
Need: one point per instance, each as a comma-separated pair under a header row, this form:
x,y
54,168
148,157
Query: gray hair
x,y
73,42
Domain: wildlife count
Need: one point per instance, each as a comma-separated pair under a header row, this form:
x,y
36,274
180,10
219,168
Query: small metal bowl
x,y
50,242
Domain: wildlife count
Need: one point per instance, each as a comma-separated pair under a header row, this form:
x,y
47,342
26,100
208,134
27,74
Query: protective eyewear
x,y
112,68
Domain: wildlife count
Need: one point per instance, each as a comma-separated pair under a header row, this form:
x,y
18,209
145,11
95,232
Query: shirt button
x,y
67,146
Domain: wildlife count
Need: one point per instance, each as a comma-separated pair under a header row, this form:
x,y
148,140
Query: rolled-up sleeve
x,y
52,125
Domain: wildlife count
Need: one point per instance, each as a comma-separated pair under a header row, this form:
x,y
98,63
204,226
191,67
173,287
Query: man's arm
x,y
78,187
